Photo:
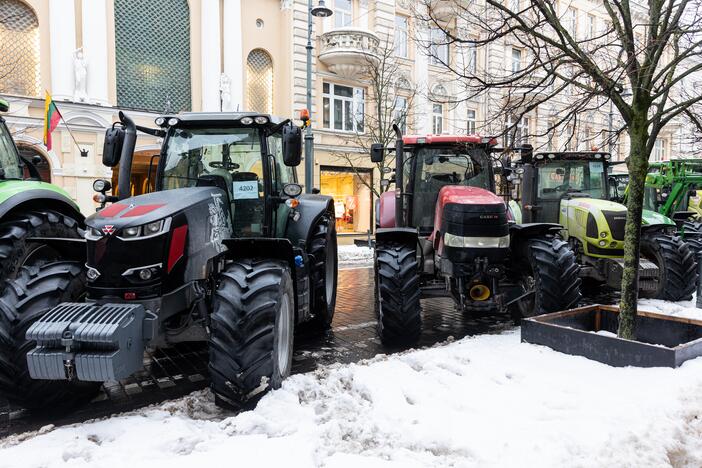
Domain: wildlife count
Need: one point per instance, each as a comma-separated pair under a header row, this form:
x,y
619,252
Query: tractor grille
x,y
616,221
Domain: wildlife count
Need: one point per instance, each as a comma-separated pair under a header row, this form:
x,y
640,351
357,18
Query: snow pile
x,y
352,255
686,309
484,401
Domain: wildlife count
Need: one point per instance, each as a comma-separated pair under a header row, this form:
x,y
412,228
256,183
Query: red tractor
x,y
444,232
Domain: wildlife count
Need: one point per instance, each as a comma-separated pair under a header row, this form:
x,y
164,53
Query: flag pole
x,y
83,153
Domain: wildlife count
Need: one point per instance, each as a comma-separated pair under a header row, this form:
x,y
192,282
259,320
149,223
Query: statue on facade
x,y
80,72
225,92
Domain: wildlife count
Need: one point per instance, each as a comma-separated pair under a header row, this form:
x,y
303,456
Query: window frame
x,y
437,118
340,14
329,98
401,32
518,60
471,123
438,51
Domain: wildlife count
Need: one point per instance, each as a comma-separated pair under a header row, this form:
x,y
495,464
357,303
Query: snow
x,y
684,309
352,255
482,401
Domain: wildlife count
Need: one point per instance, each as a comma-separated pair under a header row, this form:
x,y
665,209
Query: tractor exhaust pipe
x,y
125,160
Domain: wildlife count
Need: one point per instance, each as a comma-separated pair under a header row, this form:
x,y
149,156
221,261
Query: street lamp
x,y
320,11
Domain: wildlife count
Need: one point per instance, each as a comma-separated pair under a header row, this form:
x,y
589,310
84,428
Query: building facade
x,y
99,57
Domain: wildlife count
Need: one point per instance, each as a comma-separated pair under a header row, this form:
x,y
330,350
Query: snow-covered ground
x,y
484,401
353,256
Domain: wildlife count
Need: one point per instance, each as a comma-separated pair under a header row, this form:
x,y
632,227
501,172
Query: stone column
x,y
211,55
62,31
95,49
234,61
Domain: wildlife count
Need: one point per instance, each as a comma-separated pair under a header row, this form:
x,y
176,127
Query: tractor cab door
x,y
280,176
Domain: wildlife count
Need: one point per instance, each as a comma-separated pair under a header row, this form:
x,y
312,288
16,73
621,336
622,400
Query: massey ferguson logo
x,y
108,229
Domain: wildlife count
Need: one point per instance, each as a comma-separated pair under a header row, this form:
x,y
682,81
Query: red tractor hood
x,y
483,202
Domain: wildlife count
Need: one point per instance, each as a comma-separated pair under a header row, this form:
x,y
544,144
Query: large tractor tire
x,y
26,299
676,265
552,273
251,336
18,250
325,271
397,294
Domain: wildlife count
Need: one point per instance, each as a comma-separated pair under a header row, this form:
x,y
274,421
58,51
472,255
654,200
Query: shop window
x,y
342,108
353,199
19,49
259,69
153,55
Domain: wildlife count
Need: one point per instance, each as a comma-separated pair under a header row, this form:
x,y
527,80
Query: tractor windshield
x,y
559,177
232,153
9,161
435,167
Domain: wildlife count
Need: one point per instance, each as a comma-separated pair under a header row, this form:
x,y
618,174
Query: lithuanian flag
x,y
51,119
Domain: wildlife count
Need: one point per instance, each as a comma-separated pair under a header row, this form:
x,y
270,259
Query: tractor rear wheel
x,y
676,266
27,298
325,270
397,294
18,250
252,325
551,274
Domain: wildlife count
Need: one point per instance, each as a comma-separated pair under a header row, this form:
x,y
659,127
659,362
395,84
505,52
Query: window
x,y
659,149
470,122
259,70
353,198
400,113
437,119
571,21
516,134
552,142
343,13
154,77
19,49
516,60
438,50
9,160
342,107
472,57
514,5
591,26
401,36
555,178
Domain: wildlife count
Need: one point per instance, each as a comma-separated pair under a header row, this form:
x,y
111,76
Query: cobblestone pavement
x,y
175,372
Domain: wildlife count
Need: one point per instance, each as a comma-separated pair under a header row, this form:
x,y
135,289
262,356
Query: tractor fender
x,y
311,208
39,198
405,236
530,230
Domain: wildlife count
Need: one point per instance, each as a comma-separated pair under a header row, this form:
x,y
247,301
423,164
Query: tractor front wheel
x,y
397,294
549,281
325,270
17,249
676,266
34,292
252,325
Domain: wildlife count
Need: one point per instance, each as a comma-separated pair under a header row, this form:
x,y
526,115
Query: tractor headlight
x,y
602,243
146,230
131,232
261,120
603,234
246,120
452,240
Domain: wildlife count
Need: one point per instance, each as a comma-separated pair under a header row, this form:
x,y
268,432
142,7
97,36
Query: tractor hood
x,y
144,209
653,218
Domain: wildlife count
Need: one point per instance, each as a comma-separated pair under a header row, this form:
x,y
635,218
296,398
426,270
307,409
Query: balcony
x,y
348,52
444,10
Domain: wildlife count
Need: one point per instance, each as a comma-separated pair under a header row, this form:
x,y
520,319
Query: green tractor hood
x,y
16,192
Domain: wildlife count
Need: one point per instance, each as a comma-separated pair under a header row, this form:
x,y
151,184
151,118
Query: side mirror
x,y
112,149
36,160
377,152
4,105
292,145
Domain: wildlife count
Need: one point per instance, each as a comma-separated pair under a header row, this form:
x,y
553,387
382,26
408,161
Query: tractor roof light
x,y
608,156
598,156
160,121
551,156
539,156
173,121
519,170
246,120
261,120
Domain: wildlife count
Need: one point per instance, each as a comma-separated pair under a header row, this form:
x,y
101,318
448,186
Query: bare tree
x,y
388,101
640,59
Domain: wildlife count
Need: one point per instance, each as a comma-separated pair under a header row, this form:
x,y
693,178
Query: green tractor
x,y
32,212
571,188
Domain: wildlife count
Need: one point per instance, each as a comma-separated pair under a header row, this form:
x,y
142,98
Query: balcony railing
x,y
349,51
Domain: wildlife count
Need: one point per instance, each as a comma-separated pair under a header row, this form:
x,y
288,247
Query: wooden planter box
x,y
662,340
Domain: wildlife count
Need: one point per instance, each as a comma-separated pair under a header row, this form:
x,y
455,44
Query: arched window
x,y
19,49
259,68
152,44
29,153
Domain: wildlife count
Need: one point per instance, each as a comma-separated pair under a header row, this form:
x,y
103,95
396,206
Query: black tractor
x,y
225,250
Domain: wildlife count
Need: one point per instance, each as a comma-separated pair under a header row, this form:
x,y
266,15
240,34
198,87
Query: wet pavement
x,y
178,371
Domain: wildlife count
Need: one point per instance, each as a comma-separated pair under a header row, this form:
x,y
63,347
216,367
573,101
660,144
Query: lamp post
x,y
320,11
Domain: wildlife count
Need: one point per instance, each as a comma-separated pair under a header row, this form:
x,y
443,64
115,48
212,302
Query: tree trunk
x,y
638,167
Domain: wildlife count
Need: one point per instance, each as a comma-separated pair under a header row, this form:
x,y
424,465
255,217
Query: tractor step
x,y
88,342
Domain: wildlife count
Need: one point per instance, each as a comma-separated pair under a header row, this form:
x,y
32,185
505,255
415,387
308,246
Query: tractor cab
x,y
10,167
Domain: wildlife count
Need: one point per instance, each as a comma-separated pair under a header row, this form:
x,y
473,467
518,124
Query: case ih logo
x,y
108,229
489,216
